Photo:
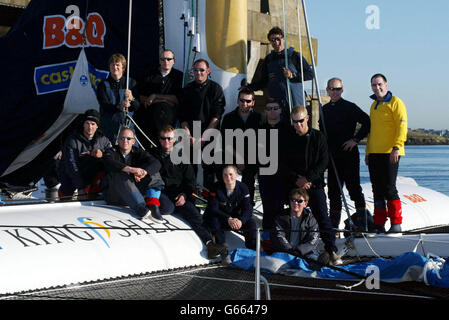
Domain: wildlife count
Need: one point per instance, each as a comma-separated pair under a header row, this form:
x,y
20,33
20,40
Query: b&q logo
x,y
415,198
59,31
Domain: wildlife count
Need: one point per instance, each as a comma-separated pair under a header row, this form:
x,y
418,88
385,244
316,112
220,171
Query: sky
x,y
406,40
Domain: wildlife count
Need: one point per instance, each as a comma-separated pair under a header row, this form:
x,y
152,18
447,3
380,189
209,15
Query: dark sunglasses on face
x,y
166,59
335,89
275,38
299,121
126,138
199,70
166,138
245,100
272,108
297,200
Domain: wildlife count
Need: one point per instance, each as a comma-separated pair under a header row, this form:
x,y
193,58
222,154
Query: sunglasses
x,y
166,59
166,138
126,138
245,100
275,38
199,70
299,121
335,89
297,200
272,108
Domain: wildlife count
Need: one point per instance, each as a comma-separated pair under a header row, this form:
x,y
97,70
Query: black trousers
x,y
348,168
383,176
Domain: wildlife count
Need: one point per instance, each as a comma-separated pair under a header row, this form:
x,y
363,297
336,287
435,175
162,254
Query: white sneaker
x,y
148,218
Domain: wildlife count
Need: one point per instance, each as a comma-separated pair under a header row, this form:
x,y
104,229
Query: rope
x,y
322,117
300,51
286,55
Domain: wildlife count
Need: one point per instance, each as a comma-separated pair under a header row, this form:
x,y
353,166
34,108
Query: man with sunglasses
x,y
303,160
244,117
273,74
296,230
270,186
202,100
180,182
133,179
339,123
160,93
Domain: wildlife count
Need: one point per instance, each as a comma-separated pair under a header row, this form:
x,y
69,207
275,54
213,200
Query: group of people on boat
x,y
125,151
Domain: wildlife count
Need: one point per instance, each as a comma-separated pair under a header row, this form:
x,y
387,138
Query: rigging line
x,y
286,56
129,43
137,126
351,224
300,51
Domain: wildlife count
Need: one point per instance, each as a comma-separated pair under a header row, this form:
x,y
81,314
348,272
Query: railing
x,y
259,277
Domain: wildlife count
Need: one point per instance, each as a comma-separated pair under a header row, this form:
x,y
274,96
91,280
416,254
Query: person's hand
x,y
234,223
180,200
394,156
348,145
302,183
138,173
129,95
287,73
96,153
150,99
124,105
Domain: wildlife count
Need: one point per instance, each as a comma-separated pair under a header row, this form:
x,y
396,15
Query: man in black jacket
x,y
160,93
133,179
81,160
203,100
340,119
180,181
270,186
247,119
303,162
296,230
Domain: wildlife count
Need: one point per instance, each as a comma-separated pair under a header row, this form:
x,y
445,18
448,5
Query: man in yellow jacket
x,y
384,148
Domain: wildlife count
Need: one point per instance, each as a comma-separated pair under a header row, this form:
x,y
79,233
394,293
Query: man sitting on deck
x,y
133,179
81,164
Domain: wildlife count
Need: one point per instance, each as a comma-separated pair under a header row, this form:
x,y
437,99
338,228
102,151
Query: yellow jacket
x,y
388,125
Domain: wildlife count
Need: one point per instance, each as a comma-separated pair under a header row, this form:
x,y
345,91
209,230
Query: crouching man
x,y
133,179
296,230
81,165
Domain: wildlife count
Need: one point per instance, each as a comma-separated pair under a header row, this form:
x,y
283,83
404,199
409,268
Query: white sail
x,y
80,96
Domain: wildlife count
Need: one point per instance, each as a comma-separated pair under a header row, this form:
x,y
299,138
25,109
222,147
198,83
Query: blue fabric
x,y
153,193
409,266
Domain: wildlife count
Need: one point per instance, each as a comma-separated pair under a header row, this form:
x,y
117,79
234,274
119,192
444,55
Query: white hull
x,y
47,245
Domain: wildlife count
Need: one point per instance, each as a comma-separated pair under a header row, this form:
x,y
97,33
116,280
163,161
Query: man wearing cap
x,y
81,162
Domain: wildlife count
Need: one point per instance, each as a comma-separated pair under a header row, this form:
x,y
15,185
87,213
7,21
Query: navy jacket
x,y
272,75
237,205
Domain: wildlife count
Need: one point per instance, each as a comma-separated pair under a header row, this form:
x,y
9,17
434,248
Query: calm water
x,y
428,165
